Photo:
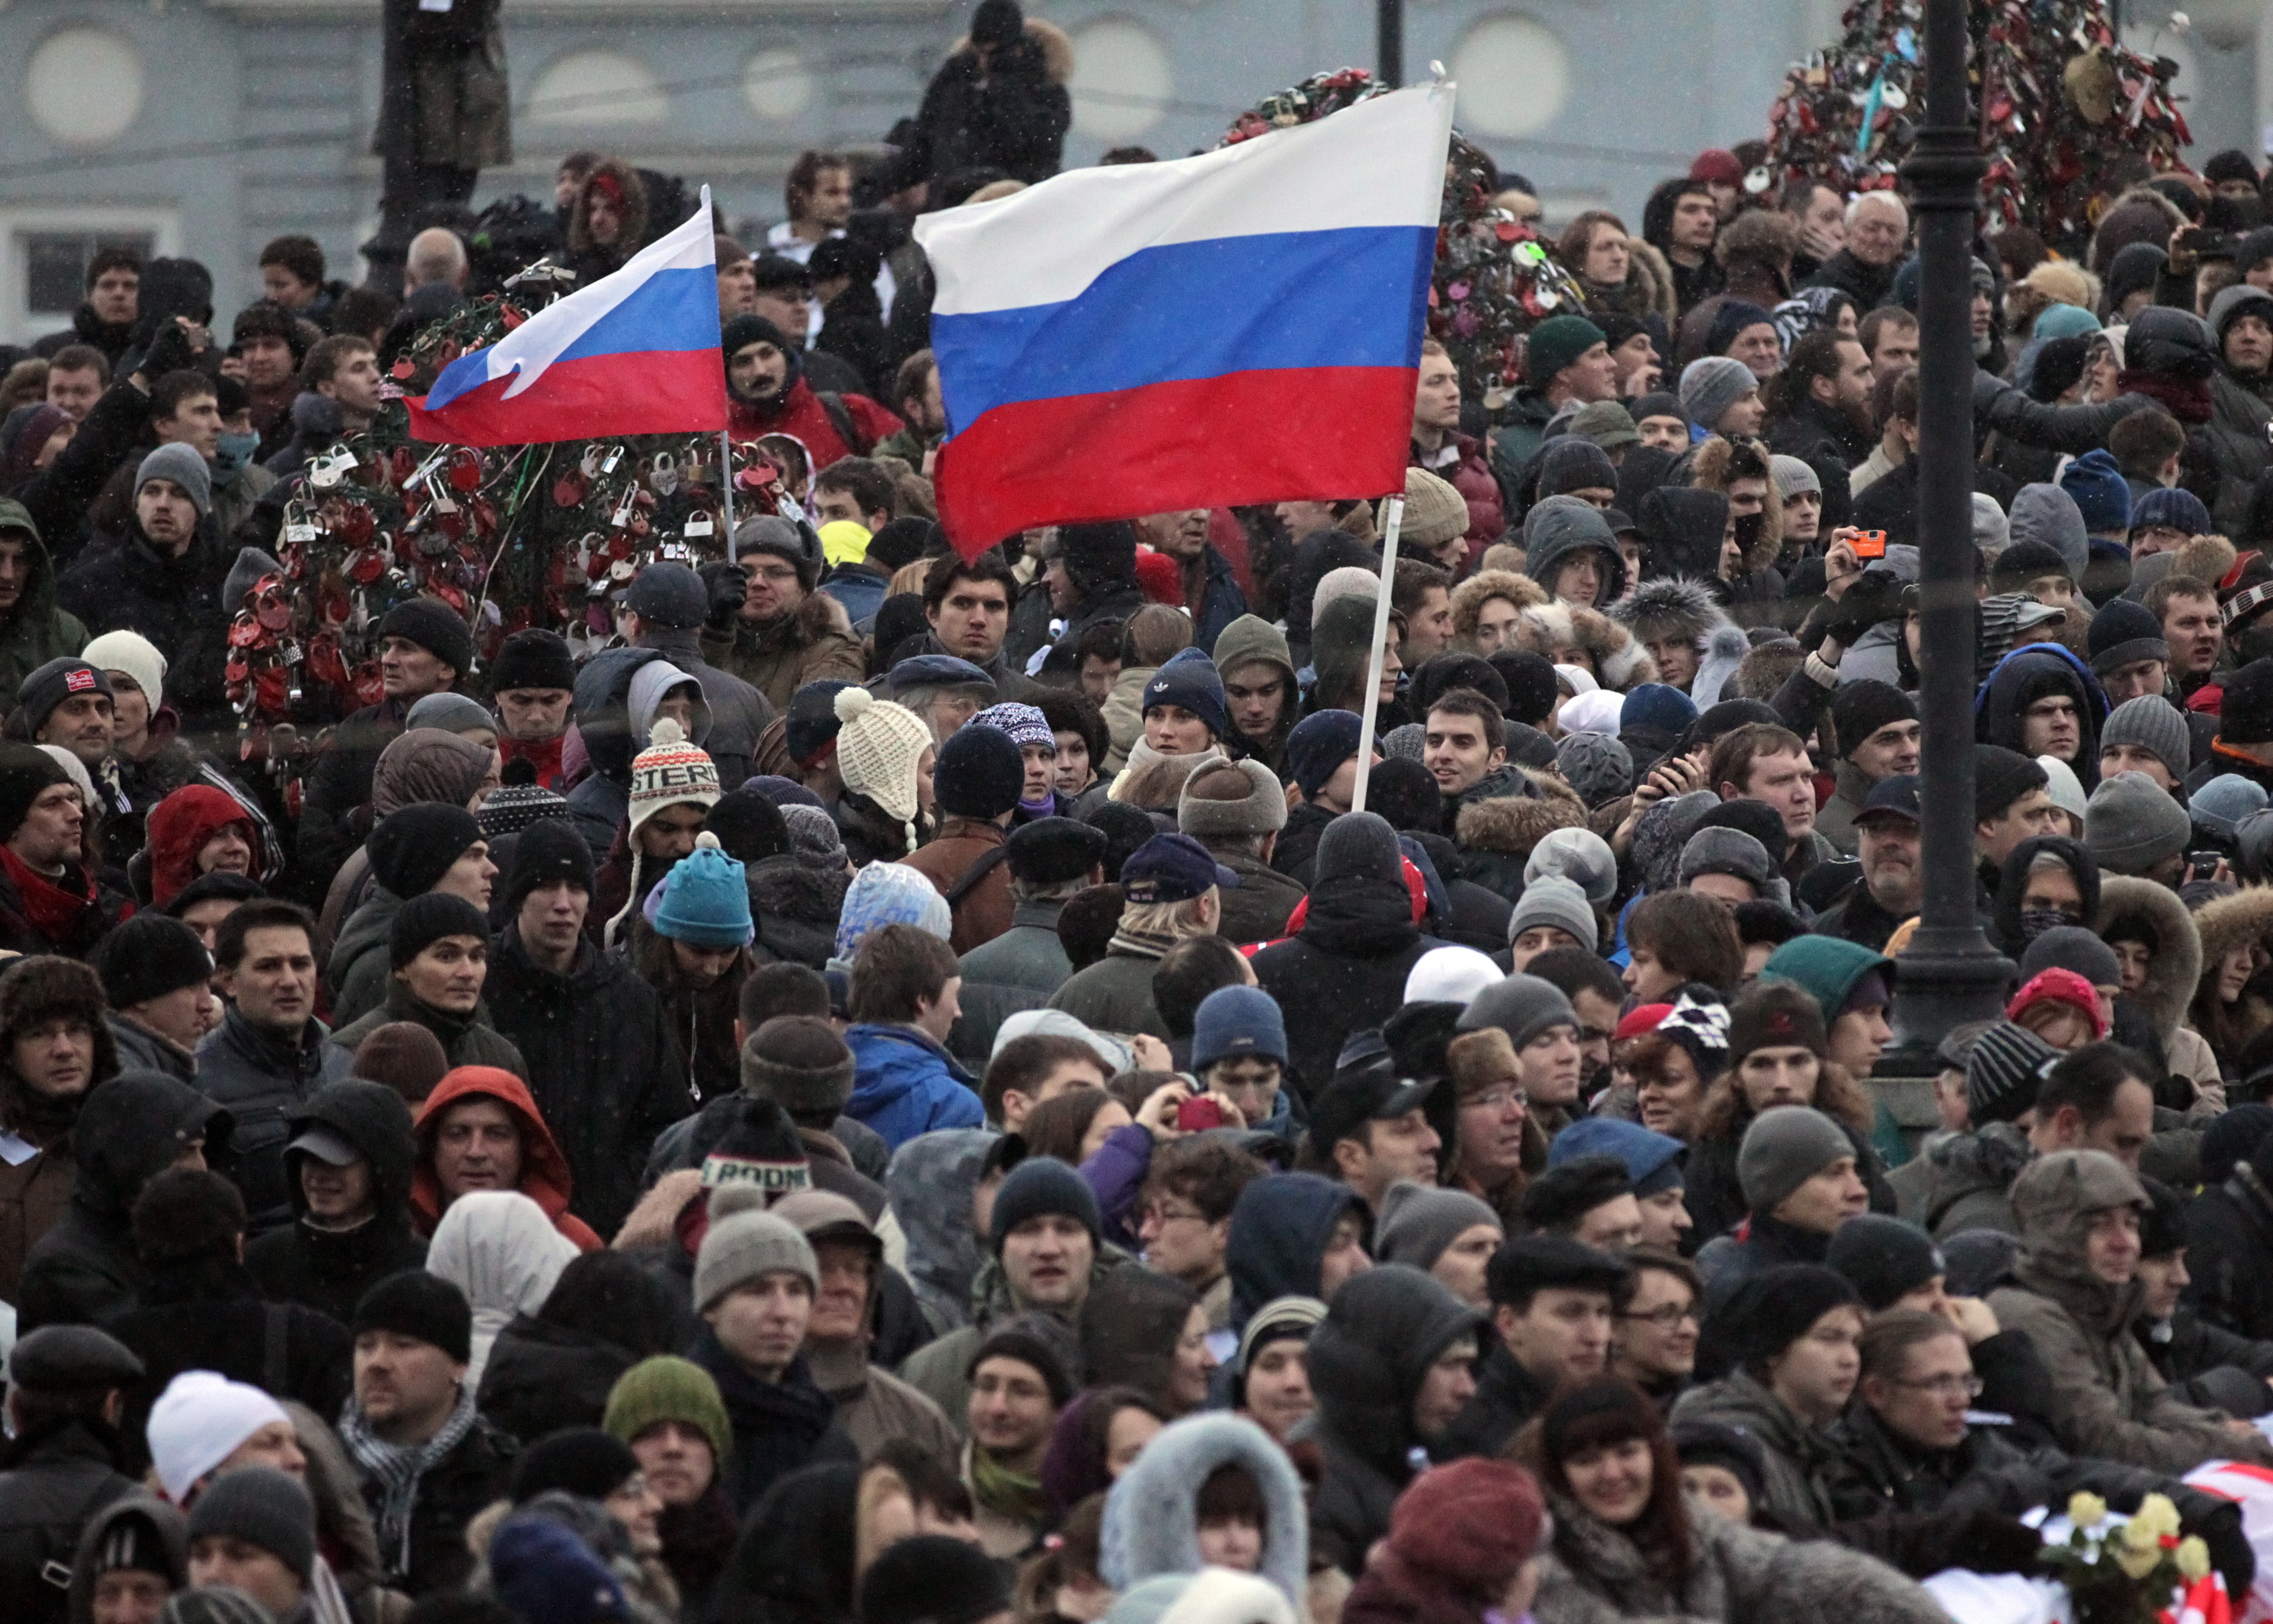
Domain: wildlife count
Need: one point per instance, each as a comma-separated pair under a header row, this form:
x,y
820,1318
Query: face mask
x,y
2036,921
232,455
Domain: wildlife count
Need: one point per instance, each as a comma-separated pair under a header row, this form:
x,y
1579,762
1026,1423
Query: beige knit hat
x,y
1434,512
877,748
671,770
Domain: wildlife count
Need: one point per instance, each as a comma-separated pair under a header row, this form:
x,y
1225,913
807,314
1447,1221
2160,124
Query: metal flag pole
x,y
1380,641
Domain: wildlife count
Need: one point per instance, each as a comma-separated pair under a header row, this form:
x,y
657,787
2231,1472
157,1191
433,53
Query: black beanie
x,y
263,1507
932,1579
413,847
813,722
533,659
544,853
2002,776
420,1305
981,774
2162,1225
187,1212
1884,1258
24,771
1530,679
1558,1197
1766,1314
904,541
584,1461
1861,708
750,827
435,628
425,919
1407,796
148,956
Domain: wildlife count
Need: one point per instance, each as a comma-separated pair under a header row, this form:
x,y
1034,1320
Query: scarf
x,y
2187,400
397,1467
1141,944
49,907
1011,1495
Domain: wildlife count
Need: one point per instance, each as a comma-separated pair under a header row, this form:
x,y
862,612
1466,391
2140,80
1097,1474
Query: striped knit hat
x,y
877,749
1023,723
671,770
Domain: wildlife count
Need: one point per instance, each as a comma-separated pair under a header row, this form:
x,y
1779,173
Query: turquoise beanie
x,y
705,901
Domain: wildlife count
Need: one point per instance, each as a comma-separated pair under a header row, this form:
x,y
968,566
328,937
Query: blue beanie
x,y
2100,494
541,1570
1653,1160
2064,321
1657,705
705,899
1318,745
2173,508
1231,1022
1038,1186
1190,680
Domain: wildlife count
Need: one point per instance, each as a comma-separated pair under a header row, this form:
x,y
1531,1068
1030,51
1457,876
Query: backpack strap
x,y
987,864
840,418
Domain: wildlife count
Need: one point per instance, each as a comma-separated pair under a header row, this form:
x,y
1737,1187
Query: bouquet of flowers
x,y
2125,1571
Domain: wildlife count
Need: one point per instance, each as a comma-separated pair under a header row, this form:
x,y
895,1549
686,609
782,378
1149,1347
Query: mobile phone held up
x,y
1196,1116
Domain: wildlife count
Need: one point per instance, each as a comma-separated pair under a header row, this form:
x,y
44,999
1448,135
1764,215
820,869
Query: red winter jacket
x,y
799,413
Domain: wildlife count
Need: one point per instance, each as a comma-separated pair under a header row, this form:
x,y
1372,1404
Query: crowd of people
x,y
897,1087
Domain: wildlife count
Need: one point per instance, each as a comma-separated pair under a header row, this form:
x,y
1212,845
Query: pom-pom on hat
x,y
878,744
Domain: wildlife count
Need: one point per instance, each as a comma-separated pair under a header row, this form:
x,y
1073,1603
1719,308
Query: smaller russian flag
x,y
635,353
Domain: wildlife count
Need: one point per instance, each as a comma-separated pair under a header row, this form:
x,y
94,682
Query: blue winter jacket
x,y
906,1085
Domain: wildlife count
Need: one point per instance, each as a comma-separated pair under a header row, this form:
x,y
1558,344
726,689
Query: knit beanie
x,y
704,901
535,658
2002,1074
404,1056
1435,512
1861,708
815,838
2124,633
878,744
2101,495
745,1247
1776,1014
1357,846
669,771
513,807
435,628
1724,850
932,1579
2000,777
1552,901
412,849
1193,684
1465,1530
548,852
1569,463
2171,507
1884,1258
1554,344
1734,316
2063,988
1418,1222
1653,1161
1044,1344
134,656
1782,1149
1596,765
1523,1007
1579,856
2072,949
2153,724
1655,706
1792,477
667,1388
1234,800
1037,1187
1607,423
1316,750
1401,790
181,464
265,1508
422,1307
584,1461
1710,386
749,824
540,1569
200,1421
980,773
800,1064
748,1147
428,917
147,956
1234,1022
2131,823
2063,788
1768,1312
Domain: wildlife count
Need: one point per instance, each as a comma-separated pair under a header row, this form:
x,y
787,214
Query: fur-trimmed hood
x,y
1672,606
1617,660
1513,825
2205,557
2174,963
1470,596
1717,462
2227,922
1649,281
1150,1523
1057,48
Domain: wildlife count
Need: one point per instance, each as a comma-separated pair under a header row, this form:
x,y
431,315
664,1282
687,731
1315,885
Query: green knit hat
x,y
1554,344
1826,968
669,1389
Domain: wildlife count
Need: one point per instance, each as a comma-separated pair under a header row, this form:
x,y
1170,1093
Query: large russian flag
x,y
635,353
1241,327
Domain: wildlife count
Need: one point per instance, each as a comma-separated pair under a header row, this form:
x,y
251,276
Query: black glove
x,y
1876,596
1990,1542
728,585
169,352
2230,1550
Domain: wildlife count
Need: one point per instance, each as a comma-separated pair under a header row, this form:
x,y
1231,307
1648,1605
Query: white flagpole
x,y
726,446
1380,642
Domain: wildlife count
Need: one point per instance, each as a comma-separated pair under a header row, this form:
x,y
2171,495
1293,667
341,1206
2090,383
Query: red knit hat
x,y
1161,577
2060,987
1468,1528
1717,163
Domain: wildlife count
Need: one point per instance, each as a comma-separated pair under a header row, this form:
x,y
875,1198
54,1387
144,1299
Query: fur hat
x,y
800,1064
1233,798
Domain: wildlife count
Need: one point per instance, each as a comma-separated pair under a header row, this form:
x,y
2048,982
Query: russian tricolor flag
x,y
1243,327
635,353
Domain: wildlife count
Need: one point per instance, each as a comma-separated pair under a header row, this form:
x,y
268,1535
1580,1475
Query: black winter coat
x,y
1344,970
1507,1396
329,1271
603,1067
2229,1236
210,1315
53,1481
452,1493
1010,115
263,1080
778,1427
125,583
340,782
542,1377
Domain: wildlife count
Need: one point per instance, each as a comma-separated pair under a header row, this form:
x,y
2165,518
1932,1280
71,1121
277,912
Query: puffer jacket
x,y
263,1080
330,1269
2108,1400
905,1084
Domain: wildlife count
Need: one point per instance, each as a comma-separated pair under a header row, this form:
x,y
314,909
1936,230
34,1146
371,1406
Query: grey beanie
x,y
1711,386
1991,533
262,1507
1523,1007
745,1244
1581,857
1410,740
2222,803
1598,766
2072,947
1418,1222
1792,476
1722,850
1783,1148
1357,846
2153,724
1551,899
180,463
814,836
2131,823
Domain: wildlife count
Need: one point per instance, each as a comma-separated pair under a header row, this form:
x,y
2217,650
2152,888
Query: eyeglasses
x,y
1498,1099
1666,1315
1169,1215
1944,1386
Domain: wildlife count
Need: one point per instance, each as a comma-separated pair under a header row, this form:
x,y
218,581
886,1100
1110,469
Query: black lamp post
x,y
1389,34
1951,973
